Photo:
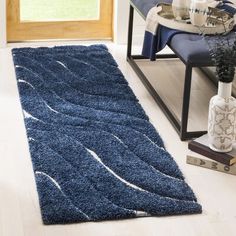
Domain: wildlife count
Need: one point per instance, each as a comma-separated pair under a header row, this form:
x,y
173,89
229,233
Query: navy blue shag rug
x,y
95,154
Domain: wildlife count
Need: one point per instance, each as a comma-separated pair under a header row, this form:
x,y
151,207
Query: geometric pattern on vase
x,y
95,154
221,123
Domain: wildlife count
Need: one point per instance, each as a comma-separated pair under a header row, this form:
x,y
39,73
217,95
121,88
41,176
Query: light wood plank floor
x,y
167,77
19,207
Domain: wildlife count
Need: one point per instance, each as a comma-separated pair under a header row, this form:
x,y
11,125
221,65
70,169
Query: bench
x,y
189,48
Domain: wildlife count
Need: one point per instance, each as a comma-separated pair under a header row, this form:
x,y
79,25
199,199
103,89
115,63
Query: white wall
x,y
139,28
120,21
2,23
121,15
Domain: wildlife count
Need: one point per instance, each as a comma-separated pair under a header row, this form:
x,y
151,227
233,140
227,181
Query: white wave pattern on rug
x,y
95,154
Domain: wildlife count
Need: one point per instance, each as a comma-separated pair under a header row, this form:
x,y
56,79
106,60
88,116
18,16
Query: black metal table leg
x,y
130,31
184,134
186,101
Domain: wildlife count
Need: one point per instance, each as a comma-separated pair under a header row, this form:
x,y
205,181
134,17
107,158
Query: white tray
x,y
217,23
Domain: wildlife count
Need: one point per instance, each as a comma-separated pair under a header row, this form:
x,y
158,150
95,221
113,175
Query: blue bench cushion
x,y
192,48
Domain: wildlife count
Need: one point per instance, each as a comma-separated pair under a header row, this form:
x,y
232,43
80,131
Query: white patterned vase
x,y
222,119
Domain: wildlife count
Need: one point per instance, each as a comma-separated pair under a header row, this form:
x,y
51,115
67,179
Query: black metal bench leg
x,y
186,101
184,134
130,32
180,126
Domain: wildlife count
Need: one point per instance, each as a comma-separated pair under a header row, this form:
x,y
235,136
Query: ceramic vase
x,y
222,119
180,9
198,12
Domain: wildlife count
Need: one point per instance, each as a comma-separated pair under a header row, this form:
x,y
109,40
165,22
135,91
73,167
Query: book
x,y
212,165
200,145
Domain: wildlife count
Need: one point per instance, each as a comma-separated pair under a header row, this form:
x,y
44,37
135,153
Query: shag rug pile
x,y
95,154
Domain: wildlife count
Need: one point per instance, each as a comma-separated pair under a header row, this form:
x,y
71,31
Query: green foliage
x,y
223,53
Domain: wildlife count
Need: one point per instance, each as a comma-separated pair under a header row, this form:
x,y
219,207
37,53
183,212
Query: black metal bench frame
x,y
179,125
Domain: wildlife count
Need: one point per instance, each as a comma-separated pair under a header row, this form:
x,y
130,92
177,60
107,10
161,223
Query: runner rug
x,y
95,154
